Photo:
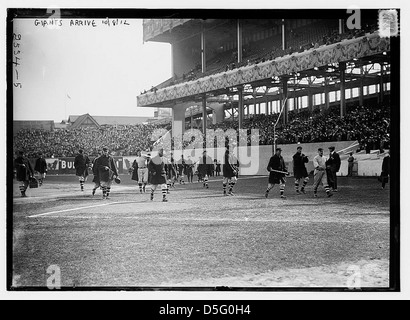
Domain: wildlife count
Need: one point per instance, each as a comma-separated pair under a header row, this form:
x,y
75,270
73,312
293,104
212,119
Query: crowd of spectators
x,y
122,140
370,126
300,40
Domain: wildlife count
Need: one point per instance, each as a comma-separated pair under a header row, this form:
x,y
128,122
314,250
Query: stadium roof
x,y
111,120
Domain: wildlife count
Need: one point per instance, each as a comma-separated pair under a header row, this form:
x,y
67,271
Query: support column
x,y
233,112
341,26
204,116
284,95
178,120
361,93
240,107
203,47
342,67
381,93
283,35
219,113
327,104
310,100
240,41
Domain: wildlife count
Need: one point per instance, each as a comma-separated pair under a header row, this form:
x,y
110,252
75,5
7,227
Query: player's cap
x,y
278,149
299,148
80,151
105,149
20,152
320,149
332,148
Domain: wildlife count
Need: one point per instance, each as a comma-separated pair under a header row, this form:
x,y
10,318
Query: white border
x,y
218,4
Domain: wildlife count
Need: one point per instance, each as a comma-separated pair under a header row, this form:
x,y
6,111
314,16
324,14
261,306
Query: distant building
x,y
87,120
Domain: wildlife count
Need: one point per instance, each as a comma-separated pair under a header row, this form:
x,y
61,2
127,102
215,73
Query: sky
x,y
72,70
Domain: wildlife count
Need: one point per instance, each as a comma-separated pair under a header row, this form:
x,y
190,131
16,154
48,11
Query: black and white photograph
x,y
182,150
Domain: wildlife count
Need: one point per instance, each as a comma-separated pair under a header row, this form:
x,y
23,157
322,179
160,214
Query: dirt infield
x,y
201,238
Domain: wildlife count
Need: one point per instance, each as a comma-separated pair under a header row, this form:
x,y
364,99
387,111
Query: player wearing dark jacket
x,y
158,174
24,172
332,167
385,170
106,172
205,168
277,172
230,171
41,168
299,169
81,164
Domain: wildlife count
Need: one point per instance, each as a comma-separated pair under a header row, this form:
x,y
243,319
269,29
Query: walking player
x,y
96,178
24,172
81,163
333,166
278,171
230,172
141,163
205,168
158,174
41,168
106,172
319,162
299,170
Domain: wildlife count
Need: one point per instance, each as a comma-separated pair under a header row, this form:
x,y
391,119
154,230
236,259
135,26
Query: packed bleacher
x,y
370,126
299,39
122,140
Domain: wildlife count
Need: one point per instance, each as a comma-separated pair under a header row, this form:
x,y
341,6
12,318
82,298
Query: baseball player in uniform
x,y
142,166
320,176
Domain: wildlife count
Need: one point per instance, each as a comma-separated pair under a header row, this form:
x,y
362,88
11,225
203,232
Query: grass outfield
x,y
201,238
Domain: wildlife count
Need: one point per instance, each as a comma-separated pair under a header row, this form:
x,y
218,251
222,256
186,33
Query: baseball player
x,y
141,162
230,172
107,172
278,171
320,176
299,170
158,174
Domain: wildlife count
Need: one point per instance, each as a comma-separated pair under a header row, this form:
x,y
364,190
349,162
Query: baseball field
x,y
200,238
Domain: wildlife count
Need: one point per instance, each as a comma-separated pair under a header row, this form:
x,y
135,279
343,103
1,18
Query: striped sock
x,y
22,189
305,181
140,185
82,184
108,191
104,190
327,189
231,185
164,193
297,185
282,189
206,182
224,187
269,189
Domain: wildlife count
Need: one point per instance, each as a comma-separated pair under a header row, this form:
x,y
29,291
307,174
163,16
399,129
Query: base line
x,y
68,210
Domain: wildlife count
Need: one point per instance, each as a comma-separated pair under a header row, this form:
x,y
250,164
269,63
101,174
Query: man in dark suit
x,y
333,166
385,169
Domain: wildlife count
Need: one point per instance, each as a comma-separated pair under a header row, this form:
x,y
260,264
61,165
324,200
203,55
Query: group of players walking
x,y
159,171
325,170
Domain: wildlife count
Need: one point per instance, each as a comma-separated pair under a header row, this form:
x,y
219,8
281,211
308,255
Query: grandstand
x,y
228,71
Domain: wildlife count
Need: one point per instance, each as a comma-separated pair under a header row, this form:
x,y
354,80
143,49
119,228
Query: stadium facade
x,y
235,68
